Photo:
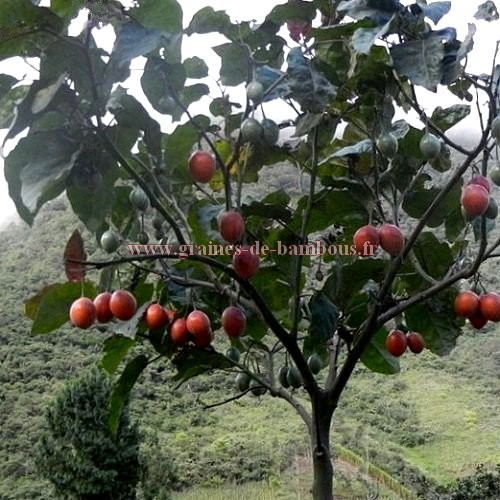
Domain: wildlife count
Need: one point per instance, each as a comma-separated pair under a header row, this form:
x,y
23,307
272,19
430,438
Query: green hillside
x,y
417,430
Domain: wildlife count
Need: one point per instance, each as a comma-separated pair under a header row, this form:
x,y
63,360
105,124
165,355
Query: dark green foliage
x,y
484,484
78,453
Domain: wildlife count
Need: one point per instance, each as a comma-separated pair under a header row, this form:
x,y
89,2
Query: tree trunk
x,y
320,445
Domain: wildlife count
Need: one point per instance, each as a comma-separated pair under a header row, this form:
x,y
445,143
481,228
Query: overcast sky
x,y
462,12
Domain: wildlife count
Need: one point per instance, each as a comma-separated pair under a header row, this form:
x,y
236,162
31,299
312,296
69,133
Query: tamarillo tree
x,y
175,177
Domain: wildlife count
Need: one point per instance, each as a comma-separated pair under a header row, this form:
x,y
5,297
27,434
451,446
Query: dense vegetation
x,y
425,426
76,450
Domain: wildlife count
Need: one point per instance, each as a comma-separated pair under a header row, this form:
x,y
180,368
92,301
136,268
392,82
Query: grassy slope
x,y
463,416
450,405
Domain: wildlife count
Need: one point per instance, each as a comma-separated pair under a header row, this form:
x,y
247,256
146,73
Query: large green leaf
x,y
437,322
208,20
129,112
376,357
235,63
487,11
66,8
66,57
195,67
6,83
90,188
468,43
364,38
332,207
379,11
115,349
417,202
435,10
9,102
256,328
277,211
348,279
163,16
37,168
272,284
446,118
122,388
192,362
161,79
21,24
435,257
41,97
133,40
293,9
324,318
361,147
272,77
188,95
49,308
310,88
420,60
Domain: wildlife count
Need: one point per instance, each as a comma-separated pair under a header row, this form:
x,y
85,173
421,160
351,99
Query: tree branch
x,y
377,316
303,234
226,401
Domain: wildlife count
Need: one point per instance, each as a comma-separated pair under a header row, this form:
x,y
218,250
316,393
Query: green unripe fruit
x,y
293,377
495,128
495,175
430,146
492,210
251,130
256,389
314,363
143,238
271,131
242,382
110,241
283,376
139,199
255,92
233,354
387,144
166,105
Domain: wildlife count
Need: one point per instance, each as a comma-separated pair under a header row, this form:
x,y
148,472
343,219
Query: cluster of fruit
x,y
398,341
266,131
478,309
120,304
288,376
368,238
430,145
202,164
110,240
196,326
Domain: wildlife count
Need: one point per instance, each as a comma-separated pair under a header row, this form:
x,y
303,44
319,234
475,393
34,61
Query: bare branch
x,y
225,402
